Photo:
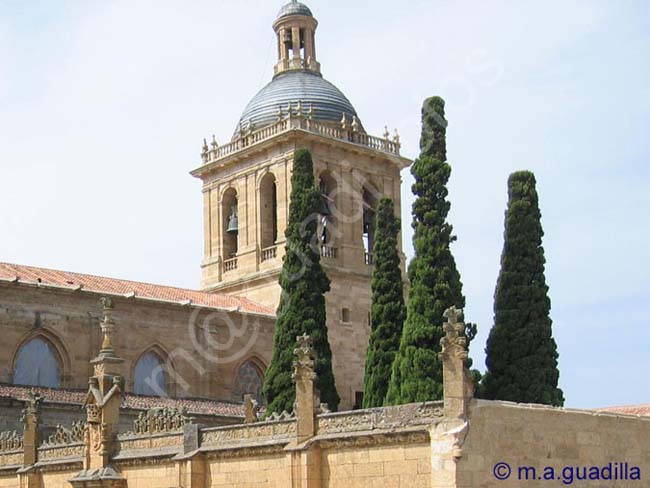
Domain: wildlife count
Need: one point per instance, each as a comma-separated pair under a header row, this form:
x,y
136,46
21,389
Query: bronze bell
x,y
233,223
324,207
288,39
368,220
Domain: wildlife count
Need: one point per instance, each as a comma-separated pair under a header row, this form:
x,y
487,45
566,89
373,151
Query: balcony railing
x,y
269,253
344,132
328,252
229,265
368,258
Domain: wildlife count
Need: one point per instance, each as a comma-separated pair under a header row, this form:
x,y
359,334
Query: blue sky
x,y
103,106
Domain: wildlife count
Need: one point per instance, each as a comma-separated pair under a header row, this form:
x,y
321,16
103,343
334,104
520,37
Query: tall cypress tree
x,y
521,352
434,280
302,303
387,312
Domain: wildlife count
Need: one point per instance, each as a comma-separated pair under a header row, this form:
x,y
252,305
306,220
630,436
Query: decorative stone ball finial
x,y
396,138
386,133
215,144
344,122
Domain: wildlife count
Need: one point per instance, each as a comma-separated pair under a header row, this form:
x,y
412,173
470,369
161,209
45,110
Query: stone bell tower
x,y
246,188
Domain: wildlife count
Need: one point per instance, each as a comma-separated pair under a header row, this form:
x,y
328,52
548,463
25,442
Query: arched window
x,y
36,364
268,211
149,377
327,210
369,206
230,224
249,381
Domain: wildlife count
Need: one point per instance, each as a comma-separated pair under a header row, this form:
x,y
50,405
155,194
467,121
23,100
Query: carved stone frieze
x,y
11,458
410,438
258,431
129,442
59,452
385,418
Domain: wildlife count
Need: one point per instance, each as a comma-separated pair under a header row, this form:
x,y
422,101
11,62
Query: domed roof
x,y
294,8
327,101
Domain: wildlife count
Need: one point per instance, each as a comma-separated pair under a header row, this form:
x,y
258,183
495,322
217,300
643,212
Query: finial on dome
x,y
355,123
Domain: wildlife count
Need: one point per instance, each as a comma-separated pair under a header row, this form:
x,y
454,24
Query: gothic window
x,y
268,211
230,224
36,364
248,381
149,376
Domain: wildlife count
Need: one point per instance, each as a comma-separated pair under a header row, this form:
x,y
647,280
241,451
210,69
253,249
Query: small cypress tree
x,y
302,302
434,279
387,312
521,352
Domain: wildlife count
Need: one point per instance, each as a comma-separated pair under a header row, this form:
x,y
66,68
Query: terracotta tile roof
x,y
101,284
643,409
138,402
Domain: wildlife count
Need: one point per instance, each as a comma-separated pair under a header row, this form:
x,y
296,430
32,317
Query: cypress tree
x,y
521,352
387,312
434,279
302,302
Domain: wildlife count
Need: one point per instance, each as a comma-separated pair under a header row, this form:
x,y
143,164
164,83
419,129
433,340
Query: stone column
x,y
305,457
295,43
30,420
102,412
448,436
28,478
306,395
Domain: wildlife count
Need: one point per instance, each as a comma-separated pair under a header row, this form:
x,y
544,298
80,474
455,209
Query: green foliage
x,y
302,303
434,279
521,352
387,312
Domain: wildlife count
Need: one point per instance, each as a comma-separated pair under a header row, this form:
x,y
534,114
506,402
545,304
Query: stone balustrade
x,y
269,253
328,252
249,137
229,265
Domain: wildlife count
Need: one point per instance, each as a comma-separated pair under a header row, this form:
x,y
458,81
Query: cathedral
x,y
109,383
213,344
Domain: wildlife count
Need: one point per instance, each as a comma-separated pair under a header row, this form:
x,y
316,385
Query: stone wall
x,y
455,443
391,446
538,436
183,335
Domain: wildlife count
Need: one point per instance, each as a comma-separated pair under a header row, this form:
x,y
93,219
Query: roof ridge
x,y
103,284
109,278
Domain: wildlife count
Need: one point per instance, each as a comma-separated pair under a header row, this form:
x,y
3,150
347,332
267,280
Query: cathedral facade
x,y
216,342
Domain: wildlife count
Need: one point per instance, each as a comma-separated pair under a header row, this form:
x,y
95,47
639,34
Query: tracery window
x,y
248,381
150,377
36,364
